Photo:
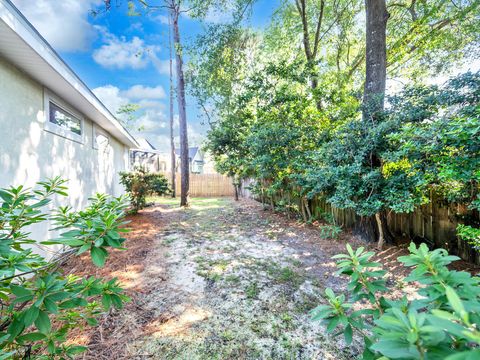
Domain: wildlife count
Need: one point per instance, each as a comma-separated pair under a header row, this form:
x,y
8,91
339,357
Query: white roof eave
x,y
24,47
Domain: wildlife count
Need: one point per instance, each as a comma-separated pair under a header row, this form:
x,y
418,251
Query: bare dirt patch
x,y
223,280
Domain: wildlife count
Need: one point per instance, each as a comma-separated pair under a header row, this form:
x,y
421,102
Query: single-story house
x,y
51,123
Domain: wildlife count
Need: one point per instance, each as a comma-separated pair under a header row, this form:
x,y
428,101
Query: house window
x,y
197,167
61,120
100,138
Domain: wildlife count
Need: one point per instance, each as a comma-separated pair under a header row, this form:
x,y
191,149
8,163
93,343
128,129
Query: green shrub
x,y
33,291
469,234
440,322
330,231
139,184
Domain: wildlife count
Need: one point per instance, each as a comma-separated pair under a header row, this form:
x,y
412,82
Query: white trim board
x,y
24,47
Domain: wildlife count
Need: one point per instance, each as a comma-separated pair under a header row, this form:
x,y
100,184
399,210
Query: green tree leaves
x,y
34,293
440,322
139,184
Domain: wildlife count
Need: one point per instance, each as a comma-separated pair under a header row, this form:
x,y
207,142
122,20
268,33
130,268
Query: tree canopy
x,y
285,103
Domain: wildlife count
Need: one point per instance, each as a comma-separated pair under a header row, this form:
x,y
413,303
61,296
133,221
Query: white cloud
x,y
140,92
64,24
216,16
111,97
138,27
153,116
150,103
162,19
153,120
147,97
162,142
118,52
163,66
195,137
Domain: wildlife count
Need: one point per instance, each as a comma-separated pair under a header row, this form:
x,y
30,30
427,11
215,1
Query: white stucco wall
x,y
29,154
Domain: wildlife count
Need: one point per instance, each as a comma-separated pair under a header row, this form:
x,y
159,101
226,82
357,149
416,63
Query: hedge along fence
x,y
434,223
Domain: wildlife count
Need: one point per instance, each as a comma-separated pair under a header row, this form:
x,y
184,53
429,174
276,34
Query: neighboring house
x,y
50,122
208,164
147,157
195,158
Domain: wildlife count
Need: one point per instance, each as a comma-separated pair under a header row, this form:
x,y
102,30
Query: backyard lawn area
x,y
240,180
222,280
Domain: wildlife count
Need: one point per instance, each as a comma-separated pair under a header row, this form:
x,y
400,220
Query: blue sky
x,y
124,59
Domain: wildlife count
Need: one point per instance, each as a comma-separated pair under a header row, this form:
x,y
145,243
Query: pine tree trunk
x,y
307,208
236,191
184,161
172,137
374,93
376,58
302,209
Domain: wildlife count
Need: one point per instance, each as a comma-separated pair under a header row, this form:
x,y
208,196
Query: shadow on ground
x,y
222,280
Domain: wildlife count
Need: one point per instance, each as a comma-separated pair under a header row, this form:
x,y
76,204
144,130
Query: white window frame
x,y
56,129
97,130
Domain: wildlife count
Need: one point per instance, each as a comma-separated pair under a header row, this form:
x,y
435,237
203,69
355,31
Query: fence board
x,y
205,185
434,223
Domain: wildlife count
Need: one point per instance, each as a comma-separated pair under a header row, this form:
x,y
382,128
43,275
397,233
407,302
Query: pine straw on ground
x,y
146,271
108,339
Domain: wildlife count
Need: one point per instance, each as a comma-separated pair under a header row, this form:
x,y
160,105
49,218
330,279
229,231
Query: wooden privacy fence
x,y
434,223
205,185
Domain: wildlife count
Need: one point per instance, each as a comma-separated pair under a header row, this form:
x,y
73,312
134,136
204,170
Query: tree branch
x,y
301,7
317,32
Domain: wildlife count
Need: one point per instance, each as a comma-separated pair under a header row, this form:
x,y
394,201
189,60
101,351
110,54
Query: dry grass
x,y
223,280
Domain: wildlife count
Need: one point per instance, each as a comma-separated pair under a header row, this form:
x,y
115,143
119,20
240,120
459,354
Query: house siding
x,y
28,153
197,163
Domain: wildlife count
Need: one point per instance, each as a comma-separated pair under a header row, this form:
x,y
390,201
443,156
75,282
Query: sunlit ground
x,y
221,280
197,202
235,289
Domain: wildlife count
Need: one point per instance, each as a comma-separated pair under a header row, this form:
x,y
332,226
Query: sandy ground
x,y
223,280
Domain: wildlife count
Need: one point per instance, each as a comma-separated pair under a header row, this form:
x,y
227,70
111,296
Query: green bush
x,y
139,184
33,291
469,234
330,231
441,321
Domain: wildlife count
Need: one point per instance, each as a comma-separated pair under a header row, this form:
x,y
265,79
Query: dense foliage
x,y
440,322
285,107
140,183
39,304
427,139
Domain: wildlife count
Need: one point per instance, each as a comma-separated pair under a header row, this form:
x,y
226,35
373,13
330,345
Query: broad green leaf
x,y
34,336
348,333
30,315
456,303
20,291
43,322
98,256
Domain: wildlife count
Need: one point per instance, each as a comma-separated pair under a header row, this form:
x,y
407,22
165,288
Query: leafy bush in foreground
x,y
139,184
441,322
469,234
39,305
